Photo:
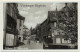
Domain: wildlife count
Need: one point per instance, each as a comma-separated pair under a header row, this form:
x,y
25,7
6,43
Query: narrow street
x,y
41,27
32,45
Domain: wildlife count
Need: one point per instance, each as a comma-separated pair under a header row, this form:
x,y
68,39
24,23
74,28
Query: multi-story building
x,y
10,36
20,24
57,25
46,28
12,21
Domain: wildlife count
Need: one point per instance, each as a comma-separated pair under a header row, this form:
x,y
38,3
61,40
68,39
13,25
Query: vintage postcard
x,y
40,25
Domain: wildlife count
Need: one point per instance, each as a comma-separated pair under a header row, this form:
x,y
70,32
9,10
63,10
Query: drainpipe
x,y
5,25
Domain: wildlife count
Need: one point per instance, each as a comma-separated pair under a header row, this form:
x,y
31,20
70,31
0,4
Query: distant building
x,y
25,32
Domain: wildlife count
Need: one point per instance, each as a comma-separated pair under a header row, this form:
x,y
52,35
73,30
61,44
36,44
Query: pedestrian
x,y
29,40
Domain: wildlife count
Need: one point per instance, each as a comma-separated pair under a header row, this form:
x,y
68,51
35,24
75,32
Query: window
x,y
54,24
64,41
58,40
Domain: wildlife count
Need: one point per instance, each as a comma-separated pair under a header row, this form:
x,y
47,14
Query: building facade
x,y
26,32
10,36
11,24
59,25
20,23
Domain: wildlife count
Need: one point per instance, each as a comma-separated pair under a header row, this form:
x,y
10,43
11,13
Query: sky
x,y
36,13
